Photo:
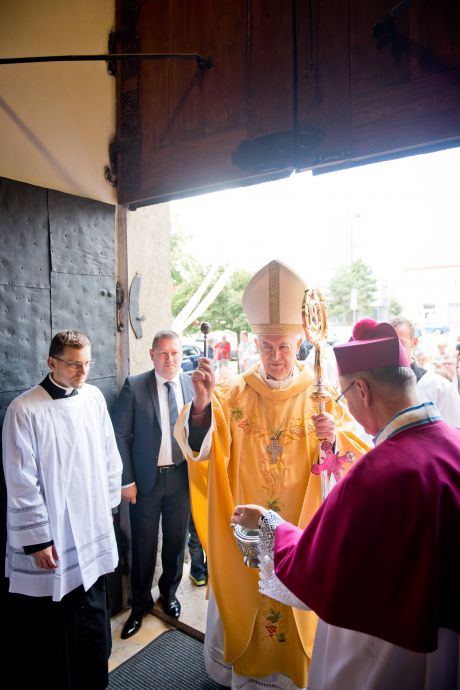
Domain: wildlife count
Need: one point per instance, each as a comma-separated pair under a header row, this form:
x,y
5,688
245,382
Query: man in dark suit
x,y
155,480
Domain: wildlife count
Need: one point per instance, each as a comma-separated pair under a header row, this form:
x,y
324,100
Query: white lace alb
x,y
269,584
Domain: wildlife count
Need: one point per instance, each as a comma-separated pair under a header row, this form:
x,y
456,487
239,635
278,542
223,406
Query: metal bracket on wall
x,y
120,303
134,317
277,150
202,62
112,58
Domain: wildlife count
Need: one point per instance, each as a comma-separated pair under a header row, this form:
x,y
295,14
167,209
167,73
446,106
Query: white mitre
x,y
272,300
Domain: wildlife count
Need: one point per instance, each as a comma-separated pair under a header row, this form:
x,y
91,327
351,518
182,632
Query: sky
x,y
394,215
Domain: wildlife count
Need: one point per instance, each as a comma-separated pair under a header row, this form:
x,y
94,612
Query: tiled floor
x,y
192,619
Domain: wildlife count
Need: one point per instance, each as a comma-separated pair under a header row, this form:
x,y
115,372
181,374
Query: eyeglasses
x,y
343,393
76,365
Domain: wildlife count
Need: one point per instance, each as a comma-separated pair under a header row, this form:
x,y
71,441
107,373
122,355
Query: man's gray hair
x,y
164,335
393,377
403,321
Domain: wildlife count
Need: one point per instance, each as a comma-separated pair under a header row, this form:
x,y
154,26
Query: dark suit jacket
x,y
137,425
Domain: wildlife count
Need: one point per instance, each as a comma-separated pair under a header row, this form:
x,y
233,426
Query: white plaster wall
x,y
57,119
148,247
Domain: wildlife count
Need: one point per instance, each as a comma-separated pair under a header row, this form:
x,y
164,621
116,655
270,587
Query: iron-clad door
x,y
57,260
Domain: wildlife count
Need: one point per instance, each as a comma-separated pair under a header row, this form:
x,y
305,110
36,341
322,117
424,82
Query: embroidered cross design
x,y
332,462
274,449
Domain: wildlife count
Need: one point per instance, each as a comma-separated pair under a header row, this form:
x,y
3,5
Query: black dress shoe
x,y
132,626
171,606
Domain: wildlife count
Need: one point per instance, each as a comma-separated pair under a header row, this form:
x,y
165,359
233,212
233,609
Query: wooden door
x,y
294,85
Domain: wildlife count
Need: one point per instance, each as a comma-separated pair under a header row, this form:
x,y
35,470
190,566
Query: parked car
x,y
304,349
430,328
190,356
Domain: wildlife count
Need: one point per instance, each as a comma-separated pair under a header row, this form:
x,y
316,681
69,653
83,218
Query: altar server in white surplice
x,y
63,478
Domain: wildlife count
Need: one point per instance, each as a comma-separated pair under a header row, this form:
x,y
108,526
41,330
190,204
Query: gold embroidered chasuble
x,y
261,635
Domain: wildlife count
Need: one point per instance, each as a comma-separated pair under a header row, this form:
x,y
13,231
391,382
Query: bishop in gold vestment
x,y
262,443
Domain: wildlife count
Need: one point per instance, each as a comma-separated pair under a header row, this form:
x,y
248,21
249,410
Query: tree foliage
x,y
360,277
226,312
183,264
394,308
183,290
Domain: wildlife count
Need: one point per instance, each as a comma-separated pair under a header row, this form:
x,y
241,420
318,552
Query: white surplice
x,y
435,388
63,475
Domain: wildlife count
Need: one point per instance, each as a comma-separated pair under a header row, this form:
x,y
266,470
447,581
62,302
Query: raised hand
x,y
203,380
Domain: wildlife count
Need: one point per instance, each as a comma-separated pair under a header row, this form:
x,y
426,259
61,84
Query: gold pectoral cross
x,y
274,449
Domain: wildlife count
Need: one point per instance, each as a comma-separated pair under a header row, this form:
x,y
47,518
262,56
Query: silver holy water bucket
x,y
247,540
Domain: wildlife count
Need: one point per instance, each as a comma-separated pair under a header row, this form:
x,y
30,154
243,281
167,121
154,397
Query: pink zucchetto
x,y
372,345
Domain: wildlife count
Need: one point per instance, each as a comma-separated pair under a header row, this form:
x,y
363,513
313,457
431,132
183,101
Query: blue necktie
x,y
176,453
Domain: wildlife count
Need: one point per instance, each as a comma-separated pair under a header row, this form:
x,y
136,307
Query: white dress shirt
x,y
165,454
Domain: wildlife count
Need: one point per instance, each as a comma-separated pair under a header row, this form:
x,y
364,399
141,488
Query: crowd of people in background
x,y
443,360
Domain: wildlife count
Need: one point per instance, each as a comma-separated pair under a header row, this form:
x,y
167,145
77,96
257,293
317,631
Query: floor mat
x,y
173,661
